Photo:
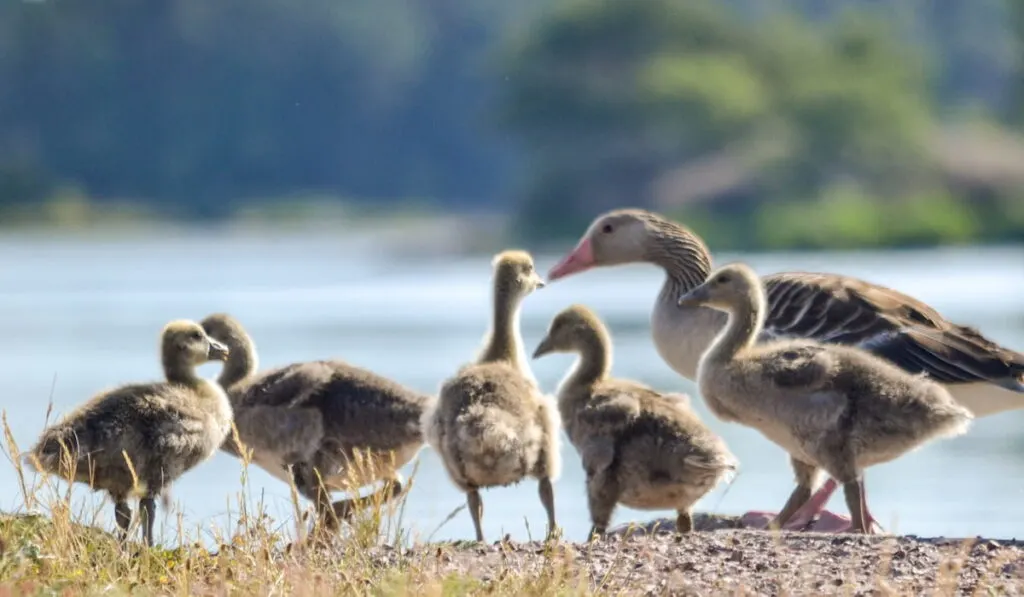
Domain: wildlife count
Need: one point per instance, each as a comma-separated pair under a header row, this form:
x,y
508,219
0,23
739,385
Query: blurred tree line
x,y
763,122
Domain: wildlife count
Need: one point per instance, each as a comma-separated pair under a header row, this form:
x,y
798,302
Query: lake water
x,y
85,315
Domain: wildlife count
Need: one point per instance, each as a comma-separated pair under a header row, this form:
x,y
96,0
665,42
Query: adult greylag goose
x,y
164,428
639,447
325,425
830,406
980,374
491,425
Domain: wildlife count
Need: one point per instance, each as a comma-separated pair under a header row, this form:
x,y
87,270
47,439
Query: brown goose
x,y
639,447
165,429
491,425
980,374
328,417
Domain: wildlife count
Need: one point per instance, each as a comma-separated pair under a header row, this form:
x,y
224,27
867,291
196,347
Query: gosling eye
x,y
607,228
195,336
722,279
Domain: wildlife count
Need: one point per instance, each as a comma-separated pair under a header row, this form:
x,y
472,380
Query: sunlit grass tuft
x,y
49,546
46,546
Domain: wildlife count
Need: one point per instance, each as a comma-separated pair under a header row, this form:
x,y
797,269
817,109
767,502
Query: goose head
x,y
229,331
187,340
514,275
613,238
726,288
571,331
636,235
242,361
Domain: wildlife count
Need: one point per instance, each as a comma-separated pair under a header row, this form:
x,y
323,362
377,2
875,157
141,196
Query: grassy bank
x,y
49,548
57,556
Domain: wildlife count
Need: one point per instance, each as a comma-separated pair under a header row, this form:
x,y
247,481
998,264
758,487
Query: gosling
x,y
491,424
163,428
322,425
639,447
830,407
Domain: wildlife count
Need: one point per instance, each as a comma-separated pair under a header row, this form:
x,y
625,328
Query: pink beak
x,y
580,259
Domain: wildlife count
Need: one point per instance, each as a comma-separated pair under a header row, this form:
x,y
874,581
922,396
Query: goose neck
x,y
504,342
179,370
242,362
740,332
682,254
595,359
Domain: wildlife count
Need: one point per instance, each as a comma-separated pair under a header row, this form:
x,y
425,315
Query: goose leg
x,y
830,522
344,509
602,496
684,521
476,510
123,518
806,476
147,507
547,498
307,483
801,507
856,501
812,506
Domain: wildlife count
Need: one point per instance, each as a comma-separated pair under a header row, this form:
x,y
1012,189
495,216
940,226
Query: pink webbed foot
x,y
757,520
844,525
826,522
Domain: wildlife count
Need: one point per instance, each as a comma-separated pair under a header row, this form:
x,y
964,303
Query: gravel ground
x,y
721,558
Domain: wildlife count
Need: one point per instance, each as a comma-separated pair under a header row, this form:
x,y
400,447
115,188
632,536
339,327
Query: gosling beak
x,y
543,348
217,352
695,298
538,282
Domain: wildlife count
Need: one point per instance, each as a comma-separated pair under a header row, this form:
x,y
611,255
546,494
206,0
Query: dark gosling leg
x,y
476,510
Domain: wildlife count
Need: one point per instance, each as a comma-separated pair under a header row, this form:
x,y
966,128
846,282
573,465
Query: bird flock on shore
x,y
840,373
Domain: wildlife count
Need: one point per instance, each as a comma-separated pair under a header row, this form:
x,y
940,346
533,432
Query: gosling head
x,y
728,287
514,274
226,329
189,340
570,330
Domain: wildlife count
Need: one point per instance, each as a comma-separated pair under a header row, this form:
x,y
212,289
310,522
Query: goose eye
x,y
722,279
607,228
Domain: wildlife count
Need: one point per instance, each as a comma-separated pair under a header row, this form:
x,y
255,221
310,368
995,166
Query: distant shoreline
x,y
427,235
426,228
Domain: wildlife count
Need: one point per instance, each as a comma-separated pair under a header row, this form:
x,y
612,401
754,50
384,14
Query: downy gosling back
x,y
639,447
336,426
164,428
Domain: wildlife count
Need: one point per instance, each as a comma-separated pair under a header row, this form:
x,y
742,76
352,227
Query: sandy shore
x,y
723,559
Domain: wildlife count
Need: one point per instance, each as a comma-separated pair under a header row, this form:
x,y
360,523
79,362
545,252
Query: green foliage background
x,y
822,115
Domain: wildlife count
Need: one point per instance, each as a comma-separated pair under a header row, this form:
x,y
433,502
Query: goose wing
x,y
804,366
611,408
843,310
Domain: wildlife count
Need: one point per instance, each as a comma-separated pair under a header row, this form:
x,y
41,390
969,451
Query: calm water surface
x,y
84,315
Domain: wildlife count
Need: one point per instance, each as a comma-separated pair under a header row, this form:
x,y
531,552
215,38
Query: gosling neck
x,y
242,361
681,253
746,319
178,369
595,358
503,342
